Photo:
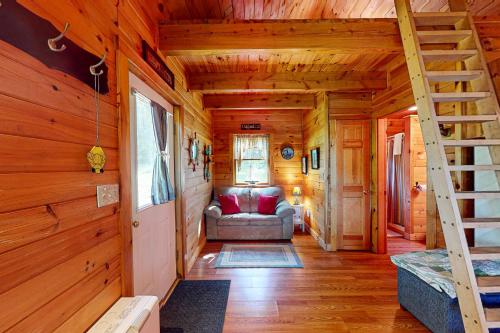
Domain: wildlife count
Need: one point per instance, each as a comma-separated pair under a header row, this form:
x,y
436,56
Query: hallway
x,y
335,292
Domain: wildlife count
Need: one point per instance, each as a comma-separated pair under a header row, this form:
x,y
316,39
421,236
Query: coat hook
x,y
52,41
93,67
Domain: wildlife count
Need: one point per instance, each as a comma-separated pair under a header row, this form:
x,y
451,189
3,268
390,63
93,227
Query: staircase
x,y
439,48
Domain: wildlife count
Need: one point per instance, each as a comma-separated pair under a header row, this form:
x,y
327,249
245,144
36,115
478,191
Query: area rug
x,y
258,256
196,306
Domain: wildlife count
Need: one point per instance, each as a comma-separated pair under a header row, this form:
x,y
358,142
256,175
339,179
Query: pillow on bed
x,y
229,204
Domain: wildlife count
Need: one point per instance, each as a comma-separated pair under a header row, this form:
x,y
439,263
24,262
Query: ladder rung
x,y
447,55
480,222
477,195
485,253
453,76
466,119
492,314
493,324
460,96
488,284
489,167
471,143
439,18
443,36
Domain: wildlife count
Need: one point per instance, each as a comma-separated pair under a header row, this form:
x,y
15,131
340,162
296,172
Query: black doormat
x,y
196,306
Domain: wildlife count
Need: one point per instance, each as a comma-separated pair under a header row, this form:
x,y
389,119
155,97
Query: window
x,y
251,159
146,150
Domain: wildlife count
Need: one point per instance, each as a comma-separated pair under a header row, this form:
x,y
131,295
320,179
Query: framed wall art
x,y
315,158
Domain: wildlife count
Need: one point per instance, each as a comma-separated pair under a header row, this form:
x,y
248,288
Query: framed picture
x,y
304,165
315,158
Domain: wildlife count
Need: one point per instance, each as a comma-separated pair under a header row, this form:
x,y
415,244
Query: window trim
x,y
269,160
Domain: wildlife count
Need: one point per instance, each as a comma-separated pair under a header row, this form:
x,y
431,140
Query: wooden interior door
x,y
352,143
154,231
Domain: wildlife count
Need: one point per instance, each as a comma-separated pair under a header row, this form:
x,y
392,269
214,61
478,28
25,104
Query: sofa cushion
x,y
229,204
267,204
261,219
270,191
243,194
234,219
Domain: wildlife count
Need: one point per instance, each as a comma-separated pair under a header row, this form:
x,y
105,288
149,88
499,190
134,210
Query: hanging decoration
x,y
96,156
207,153
194,151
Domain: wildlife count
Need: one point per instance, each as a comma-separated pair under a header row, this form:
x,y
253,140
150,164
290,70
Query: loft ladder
x,y
431,40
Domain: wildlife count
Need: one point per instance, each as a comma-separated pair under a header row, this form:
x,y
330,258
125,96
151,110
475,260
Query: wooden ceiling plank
x,y
233,37
288,81
259,101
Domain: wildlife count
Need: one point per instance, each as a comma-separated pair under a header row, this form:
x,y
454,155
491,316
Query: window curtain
x,y
161,188
250,147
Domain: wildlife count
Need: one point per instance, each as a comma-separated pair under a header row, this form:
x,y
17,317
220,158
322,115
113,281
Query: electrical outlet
x,y
107,194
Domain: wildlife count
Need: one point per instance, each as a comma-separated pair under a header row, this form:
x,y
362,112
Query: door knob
x,y
135,224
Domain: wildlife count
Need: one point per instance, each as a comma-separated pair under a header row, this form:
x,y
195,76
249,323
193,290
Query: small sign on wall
x,y
246,127
154,60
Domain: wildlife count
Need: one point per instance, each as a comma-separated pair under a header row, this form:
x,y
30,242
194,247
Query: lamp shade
x,y
296,191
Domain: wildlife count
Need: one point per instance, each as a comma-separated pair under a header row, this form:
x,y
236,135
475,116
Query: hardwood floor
x,y
335,292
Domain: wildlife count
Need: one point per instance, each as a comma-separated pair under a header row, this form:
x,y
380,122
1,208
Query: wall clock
x,y
287,152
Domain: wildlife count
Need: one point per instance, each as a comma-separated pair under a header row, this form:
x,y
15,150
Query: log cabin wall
x,y
283,127
59,253
316,135
70,271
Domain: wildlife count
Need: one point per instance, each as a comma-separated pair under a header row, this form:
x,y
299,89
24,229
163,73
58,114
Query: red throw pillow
x,y
229,204
267,204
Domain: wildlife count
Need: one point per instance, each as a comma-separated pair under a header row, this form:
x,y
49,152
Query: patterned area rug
x,y
258,256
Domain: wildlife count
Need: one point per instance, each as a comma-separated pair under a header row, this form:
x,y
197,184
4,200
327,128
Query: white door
x,y
153,232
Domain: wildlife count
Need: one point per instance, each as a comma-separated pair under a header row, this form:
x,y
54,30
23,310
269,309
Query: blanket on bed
x,y
433,267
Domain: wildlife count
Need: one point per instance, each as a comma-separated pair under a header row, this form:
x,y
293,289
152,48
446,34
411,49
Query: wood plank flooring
x,y
335,292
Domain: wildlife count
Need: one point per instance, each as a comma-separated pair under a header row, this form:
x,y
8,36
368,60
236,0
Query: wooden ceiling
x,y
306,9
215,40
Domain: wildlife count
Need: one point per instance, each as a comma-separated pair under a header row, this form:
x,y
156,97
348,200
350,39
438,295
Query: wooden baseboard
x,y
316,236
199,248
415,236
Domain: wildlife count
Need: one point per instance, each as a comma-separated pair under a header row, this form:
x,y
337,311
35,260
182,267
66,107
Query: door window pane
x,y
146,151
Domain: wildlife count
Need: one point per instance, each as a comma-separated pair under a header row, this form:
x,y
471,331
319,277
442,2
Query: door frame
x,y
138,67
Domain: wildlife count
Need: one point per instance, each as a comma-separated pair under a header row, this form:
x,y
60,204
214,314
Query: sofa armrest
x,y
213,209
284,209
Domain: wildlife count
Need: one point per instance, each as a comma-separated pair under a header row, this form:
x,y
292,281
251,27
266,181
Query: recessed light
x,y
413,108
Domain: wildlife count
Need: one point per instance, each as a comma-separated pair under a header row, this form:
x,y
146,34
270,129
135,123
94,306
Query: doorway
x,y
154,225
402,179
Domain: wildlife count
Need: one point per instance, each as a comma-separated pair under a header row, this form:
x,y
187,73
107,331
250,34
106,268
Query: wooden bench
x,y
130,315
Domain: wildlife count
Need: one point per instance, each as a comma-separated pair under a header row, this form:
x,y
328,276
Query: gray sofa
x,y
249,225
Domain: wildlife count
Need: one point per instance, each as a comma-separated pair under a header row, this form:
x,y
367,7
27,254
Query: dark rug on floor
x,y
196,307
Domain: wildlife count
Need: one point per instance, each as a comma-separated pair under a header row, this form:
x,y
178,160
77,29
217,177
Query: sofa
x,y
249,224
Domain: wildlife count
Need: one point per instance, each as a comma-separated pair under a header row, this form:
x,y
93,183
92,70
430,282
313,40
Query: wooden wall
x,y
283,127
316,132
60,255
418,173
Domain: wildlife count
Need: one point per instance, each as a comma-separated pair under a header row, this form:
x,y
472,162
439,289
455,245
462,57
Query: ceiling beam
x,y
287,82
259,101
339,36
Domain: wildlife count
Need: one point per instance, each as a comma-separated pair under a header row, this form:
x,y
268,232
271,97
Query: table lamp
x,y
296,193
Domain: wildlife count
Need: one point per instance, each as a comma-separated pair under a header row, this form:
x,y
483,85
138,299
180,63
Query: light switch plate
x,y
107,194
